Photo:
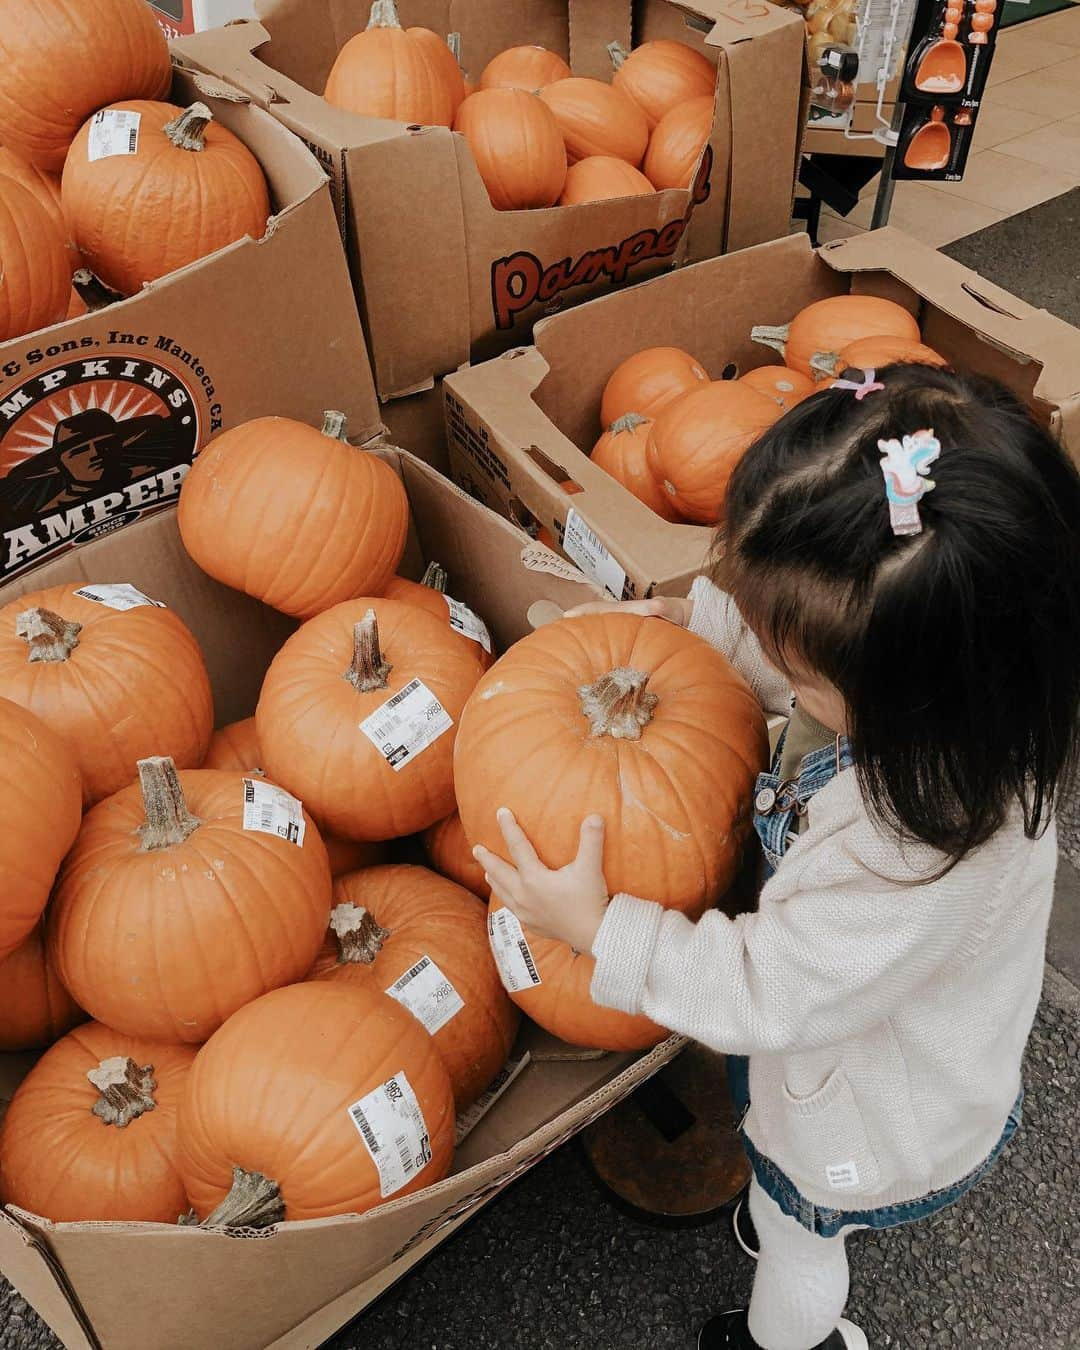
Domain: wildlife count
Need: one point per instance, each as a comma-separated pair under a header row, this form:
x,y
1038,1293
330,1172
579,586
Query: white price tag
x,y
272,810
428,995
113,132
117,595
581,544
511,951
395,1134
406,724
464,621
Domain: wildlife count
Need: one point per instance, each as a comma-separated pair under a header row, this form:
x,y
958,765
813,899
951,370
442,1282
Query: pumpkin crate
x,y
521,426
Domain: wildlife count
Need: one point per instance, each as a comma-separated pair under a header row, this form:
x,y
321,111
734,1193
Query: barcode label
x,y
394,1132
512,953
406,724
113,131
581,544
117,595
428,995
272,810
470,625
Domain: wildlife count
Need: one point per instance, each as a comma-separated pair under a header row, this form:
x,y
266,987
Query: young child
x,y
927,645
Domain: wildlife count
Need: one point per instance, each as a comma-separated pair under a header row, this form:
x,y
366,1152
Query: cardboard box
x,y
177,17
262,326
521,425
119,1286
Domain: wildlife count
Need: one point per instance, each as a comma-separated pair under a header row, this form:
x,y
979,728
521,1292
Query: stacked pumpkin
x,y
88,153
539,135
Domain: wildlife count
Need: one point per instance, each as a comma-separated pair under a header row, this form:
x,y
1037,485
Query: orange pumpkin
x,y
598,178
45,187
661,75
780,384
826,327
35,1008
597,119
35,264
423,940
443,60
91,1131
676,144
297,518
450,853
620,451
517,146
529,68
377,779
430,595
874,353
41,805
117,683
180,901
648,381
77,306
63,61
356,1072
214,187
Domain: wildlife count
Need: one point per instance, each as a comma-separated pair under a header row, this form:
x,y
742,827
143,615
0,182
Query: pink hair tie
x,y
869,385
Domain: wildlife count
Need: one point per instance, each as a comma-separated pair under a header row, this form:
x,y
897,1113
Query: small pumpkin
x,y
620,451
660,75
430,594
35,264
450,853
45,187
282,1102
597,119
875,353
648,381
782,385
172,912
529,68
35,1008
517,145
677,142
214,187
91,1131
827,326
599,178
297,518
117,684
423,940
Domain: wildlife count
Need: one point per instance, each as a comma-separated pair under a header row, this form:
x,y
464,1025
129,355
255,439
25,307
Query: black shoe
x,y
728,1331
743,1227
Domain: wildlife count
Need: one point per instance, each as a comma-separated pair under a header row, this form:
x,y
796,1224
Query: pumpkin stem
x,y
618,54
168,821
359,934
49,637
435,577
453,41
126,1088
771,335
94,293
333,425
618,704
254,1201
186,131
368,670
627,422
384,15
825,365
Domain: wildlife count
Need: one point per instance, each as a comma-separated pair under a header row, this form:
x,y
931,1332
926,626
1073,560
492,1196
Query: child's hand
x,y
567,904
675,610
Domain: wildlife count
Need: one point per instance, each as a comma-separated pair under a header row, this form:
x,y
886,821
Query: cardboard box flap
x,y
593,27
738,20
26,1262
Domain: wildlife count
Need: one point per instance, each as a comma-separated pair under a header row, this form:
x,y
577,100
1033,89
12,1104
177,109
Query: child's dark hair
x,y
957,650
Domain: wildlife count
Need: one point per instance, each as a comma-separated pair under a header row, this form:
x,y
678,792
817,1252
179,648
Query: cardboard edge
x,y
28,1265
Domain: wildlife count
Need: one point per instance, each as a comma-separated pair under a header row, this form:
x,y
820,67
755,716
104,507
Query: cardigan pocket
x,y
827,1140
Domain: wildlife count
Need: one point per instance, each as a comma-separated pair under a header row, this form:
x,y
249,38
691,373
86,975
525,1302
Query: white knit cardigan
x,y
885,1021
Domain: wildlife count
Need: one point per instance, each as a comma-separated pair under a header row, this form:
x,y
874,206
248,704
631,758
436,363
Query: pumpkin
x,y
284,1104
676,144
423,940
118,684
63,61
386,71
450,853
180,902
35,1008
77,306
41,805
430,594
543,534
212,183
517,146
365,779
695,444
597,119
91,1131
780,384
662,74
598,178
648,381
874,353
827,326
529,68
620,451
35,264
443,60
45,187
297,518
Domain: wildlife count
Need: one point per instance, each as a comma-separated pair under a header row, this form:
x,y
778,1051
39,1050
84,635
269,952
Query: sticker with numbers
x,y
395,1134
272,810
511,951
428,995
463,620
406,724
582,544
113,131
118,595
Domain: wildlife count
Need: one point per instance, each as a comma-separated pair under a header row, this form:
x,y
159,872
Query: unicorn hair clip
x,y
905,465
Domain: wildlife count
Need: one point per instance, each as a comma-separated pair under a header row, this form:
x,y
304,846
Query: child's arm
x,y
715,617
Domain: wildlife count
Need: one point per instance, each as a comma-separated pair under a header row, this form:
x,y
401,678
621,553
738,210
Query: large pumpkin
x,y
117,682
826,327
662,74
41,806
529,68
185,897
297,518
290,1103
358,715
597,119
648,381
35,263
35,1008
430,594
443,60
423,940
190,187
45,187
676,144
62,61
874,353
599,178
91,1131
695,444
620,451
517,146
450,853
782,385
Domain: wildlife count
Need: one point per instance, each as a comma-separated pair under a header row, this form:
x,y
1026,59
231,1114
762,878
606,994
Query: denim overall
x,y
777,806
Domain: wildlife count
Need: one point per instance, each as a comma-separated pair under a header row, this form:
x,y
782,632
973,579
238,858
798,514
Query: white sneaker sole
x,y
854,1337
753,1255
